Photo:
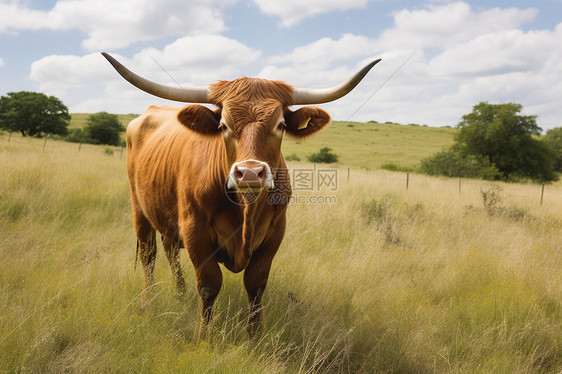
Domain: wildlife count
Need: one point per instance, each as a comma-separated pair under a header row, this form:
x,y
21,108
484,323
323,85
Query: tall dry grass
x,y
383,280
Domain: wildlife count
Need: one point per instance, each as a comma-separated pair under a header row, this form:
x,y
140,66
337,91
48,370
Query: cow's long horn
x,y
305,96
188,95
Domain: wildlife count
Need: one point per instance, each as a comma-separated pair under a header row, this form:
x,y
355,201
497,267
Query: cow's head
x,y
252,115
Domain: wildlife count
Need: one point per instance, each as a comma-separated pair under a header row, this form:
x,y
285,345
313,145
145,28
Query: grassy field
x,y
370,278
363,145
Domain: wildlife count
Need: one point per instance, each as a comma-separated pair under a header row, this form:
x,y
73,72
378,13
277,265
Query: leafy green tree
x,y
33,114
553,139
104,128
324,155
508,140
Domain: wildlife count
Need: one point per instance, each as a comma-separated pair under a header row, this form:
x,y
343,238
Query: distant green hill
x,y
364,145
78,120
370,145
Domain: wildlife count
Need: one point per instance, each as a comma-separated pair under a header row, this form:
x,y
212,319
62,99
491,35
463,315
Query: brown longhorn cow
x,y
202,177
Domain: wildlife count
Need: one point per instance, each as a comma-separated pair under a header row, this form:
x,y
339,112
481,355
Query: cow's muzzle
x,y
250,175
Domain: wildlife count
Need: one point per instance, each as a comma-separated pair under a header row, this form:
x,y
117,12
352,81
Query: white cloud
x,y
497,53
292,12
457,58
15,16
111,24
325,51
198,59
59,74
322,63
88,83
447,25
1,62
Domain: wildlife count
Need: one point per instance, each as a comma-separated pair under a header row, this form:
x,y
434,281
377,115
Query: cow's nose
x,y
250,177
250,174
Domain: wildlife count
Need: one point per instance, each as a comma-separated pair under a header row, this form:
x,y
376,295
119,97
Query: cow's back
x,y
142,128
156,144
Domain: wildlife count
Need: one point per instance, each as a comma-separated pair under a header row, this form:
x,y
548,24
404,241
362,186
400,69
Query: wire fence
x,y
322,178
468,190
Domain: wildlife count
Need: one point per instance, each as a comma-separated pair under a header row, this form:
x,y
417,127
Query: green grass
x,y
384,280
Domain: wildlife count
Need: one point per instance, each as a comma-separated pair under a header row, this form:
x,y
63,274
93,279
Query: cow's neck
x,y
248,212
250,215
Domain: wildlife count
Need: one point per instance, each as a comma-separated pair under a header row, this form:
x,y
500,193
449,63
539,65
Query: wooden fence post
x,y
542,193
407,180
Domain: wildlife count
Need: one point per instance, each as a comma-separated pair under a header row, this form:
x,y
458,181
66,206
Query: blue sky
x,y
439,57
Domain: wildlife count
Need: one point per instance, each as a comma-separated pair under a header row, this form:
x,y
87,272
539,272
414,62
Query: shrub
x,y
454,163
377,210
491,198
292,157
323,156
393,167
77,136
381,214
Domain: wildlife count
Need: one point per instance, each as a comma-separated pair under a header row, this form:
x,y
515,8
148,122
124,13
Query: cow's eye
x,y
222,127
281,126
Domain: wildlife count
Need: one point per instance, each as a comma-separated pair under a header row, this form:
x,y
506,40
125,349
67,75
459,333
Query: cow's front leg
x,y
255,277
255,280
209,282
207,271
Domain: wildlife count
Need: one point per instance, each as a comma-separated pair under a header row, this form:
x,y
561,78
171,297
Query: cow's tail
x,y
136,258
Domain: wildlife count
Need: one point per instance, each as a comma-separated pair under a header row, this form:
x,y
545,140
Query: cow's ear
x,y
306,121
200,119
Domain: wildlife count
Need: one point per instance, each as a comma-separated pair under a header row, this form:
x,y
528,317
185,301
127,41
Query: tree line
x,y
39,115
495,141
